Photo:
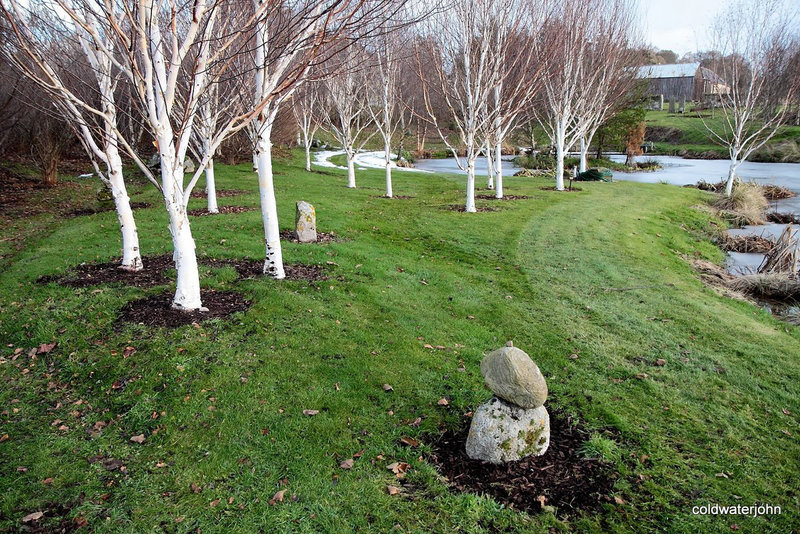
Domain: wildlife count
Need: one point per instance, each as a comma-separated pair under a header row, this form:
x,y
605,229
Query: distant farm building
x,y
684,81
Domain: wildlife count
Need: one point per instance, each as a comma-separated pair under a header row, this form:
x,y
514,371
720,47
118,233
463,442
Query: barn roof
x,y
681,70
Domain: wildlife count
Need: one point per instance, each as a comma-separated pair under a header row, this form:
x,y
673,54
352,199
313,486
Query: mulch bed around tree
x,y
94,274
156,310
565,479
479,209
221,193
249,269
567,190
505,197
98,209
223,210
322,237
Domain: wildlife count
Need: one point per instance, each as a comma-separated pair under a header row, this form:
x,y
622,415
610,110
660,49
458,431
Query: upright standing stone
x,y
306,221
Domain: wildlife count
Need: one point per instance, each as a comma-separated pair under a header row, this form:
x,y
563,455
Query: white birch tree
x,y
757,41
305,106
385,111
92,115
347,97
463,40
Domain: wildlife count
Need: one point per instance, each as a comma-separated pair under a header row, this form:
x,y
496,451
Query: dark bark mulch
x,y
322,237
249,269
782,218
223,210
479,209
221,193
562,475
505,197
99,209
156,310
94,274
567,190
398,197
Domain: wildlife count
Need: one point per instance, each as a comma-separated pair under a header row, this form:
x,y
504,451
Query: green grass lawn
x,y
221,404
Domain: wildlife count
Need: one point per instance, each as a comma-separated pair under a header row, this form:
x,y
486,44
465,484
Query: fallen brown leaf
x,y
387,388
44,348
661,362
618,499
195,488
411,442
393,490
310,412
278,497
213,503
138,439
35,516
347,464
443,402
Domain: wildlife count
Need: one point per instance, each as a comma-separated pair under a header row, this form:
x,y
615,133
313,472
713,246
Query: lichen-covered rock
x,y
306,220
512,376
501,432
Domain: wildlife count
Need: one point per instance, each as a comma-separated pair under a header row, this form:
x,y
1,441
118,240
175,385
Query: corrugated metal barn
x,y
684,81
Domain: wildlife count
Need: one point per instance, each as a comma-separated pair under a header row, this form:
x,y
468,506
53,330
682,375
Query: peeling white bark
x,y
273,262
387,152
351,169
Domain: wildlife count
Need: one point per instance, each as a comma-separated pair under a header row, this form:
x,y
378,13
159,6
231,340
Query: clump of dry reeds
x,y
745,243
746,205
784,257
774,286
776,192
782,218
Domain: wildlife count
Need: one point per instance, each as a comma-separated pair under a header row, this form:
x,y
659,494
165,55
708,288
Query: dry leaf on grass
x,y
310,412
347,464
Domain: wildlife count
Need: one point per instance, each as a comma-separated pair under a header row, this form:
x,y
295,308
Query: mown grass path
x,y
221,405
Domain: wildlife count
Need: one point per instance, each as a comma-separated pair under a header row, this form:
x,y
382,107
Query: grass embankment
x,y
687,135
692,398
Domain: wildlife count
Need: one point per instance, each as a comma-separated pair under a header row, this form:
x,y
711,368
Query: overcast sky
x,y
679,25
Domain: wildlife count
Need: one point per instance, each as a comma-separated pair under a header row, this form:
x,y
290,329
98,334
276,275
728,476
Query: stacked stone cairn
x,y
514,423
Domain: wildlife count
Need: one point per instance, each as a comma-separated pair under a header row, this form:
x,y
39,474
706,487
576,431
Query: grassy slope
x,y
552,254
695,134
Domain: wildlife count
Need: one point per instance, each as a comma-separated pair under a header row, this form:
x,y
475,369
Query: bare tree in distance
x,y
568,106
757,41
463,39
386,111
40,44
305,106
347,116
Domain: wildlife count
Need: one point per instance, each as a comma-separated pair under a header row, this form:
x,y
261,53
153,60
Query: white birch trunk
x,y
387,150
211,186
255,161
560,149
131,255
584,165
273,263
731,177
498,171
307,146
470,206
351,169
489,166
187,290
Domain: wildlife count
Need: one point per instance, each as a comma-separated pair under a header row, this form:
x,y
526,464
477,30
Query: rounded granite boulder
x,y
514,377
501,432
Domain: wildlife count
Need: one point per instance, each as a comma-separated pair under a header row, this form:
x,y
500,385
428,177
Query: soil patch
x,y
156,310
505,197
221,193
248,269
562,475
93,274
568,190
480,209
322,237
223,210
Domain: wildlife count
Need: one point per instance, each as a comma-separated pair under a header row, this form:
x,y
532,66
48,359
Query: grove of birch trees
x,y
134,77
